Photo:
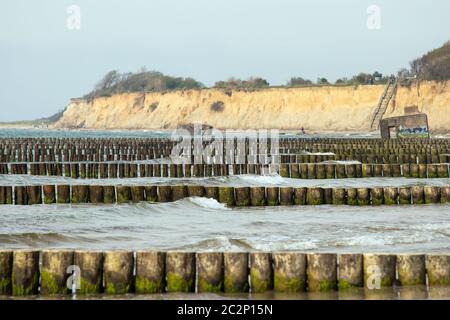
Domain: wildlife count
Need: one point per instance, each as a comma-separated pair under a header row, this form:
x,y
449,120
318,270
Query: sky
x,y
54,50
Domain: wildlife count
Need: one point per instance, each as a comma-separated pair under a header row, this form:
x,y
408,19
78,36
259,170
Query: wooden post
x,y
91,271
25,273
314,196
286,196
123,194
151,193
438,269
350,271
137,193
300,196
150,272
418,196
432,194
109,194
118,271
180,271
54,271
257,196
321,271
272,196
235,272
289,272
210,271
80,194
260,272
63,193
242,196
6,263
49,194
411,269
379,269
226,195
96,194
164,193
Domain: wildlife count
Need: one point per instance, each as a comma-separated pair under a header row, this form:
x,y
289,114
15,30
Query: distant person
x,y
303,130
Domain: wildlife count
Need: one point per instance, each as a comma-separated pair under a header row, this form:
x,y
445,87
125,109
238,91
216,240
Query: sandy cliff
x,y
315,108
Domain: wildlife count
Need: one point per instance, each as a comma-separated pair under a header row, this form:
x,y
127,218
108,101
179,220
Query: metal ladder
x,y
389,91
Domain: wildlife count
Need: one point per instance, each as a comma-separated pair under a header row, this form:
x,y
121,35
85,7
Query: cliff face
x,y
315,108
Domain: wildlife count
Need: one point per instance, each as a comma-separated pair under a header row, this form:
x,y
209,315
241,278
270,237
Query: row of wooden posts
x,y
93,170
245,157
91,149
231,196
147,272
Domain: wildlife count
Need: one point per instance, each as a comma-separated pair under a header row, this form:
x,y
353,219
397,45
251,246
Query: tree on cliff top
x,y
143,81
235,83
434,65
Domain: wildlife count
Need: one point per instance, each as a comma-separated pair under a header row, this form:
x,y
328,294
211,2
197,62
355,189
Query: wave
x,y
208,203
34,238
261,180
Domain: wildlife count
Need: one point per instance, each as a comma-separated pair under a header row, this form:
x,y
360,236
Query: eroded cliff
x,y
315,108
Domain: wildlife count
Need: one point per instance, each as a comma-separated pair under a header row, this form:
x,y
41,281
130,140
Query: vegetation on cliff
x,y
115,82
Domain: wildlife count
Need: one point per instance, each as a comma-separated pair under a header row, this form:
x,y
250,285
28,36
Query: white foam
x,y
209,203
261,180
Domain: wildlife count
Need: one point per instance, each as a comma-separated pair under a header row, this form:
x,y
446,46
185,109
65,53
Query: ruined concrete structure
x,y
411,125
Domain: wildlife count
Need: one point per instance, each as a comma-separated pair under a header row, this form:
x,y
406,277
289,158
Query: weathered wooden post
x,y
236,272
300,196
257,196
80,194
350,271
90,264
150,272
314,196
286,196
63,193
352,198
196,191
151,193
109,194
137,193
404,195
180,271
411,269
339,196
54,271
321,271
212,192
418,196
25,273
123,194
118,272
226,195
164,193
34,195
49,194
20,195
210,271
390,195
179,192
260,272
242,196
289,272
272,196
96,194
6,263
379,270
432,194
438,269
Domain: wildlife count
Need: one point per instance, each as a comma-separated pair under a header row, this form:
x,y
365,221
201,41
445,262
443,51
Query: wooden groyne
x,y
291,150
149,272
105,170
231,196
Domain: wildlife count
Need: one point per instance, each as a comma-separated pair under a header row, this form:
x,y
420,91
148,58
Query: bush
x,y
153,106
217,106
298,81
143,81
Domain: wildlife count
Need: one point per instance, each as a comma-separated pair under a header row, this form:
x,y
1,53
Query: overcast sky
x,y
44,63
